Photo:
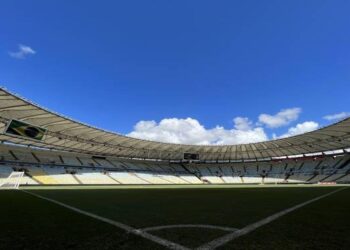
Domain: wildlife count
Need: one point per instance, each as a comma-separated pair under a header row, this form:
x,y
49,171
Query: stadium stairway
x,y
153,178
192,179
60,175
172,179
41,177
169,180
27,180
109,175
94,177
140,177
76,178
312,177
191,173
340,177
126,178
187,181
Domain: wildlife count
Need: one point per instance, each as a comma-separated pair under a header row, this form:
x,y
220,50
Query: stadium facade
x,y
54,149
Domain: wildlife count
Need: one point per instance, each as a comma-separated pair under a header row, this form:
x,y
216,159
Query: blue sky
x,y
113,64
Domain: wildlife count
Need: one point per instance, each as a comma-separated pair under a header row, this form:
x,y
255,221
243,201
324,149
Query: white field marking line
x,y
231,236
230,229
129,229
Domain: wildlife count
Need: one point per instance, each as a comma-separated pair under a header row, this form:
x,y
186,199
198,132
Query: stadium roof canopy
x,y
65,134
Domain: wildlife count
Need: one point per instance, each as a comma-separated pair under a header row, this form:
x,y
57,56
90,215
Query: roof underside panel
x,y
66,134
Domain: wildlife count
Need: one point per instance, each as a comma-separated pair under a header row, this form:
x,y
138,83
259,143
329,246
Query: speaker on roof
x,y
190,156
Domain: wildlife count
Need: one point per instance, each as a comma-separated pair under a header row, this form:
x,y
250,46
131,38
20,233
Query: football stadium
x,y
118,192
182,125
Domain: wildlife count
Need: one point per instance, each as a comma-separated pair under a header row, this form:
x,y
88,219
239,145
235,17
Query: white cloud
x,y
190,131
338,116
300,129
282,118
242,123
23,52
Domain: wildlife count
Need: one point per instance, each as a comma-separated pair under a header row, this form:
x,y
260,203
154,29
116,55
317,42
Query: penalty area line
x,y
129,229
231,236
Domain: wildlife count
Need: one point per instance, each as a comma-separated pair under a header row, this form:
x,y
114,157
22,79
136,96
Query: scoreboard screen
x,y
22,129
189,156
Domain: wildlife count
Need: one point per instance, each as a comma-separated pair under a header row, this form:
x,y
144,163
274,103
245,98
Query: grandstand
x,y
79,169
87,170
72,153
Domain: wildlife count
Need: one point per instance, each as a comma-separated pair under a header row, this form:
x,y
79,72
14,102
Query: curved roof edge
x,y
64,133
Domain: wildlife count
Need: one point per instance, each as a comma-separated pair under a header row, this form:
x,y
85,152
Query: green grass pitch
x,y
28,222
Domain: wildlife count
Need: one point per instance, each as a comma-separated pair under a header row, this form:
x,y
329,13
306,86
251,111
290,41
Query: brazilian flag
x,y
25,130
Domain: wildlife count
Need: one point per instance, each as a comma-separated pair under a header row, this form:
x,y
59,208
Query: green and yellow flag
x,y
22,129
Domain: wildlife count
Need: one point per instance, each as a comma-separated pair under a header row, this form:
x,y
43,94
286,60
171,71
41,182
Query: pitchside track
x,y
176,217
